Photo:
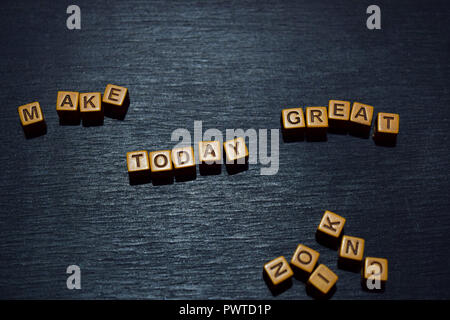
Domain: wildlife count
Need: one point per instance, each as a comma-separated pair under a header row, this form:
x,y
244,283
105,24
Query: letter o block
x,y
116,100
138,165
32,120
304,260
161,166
293,124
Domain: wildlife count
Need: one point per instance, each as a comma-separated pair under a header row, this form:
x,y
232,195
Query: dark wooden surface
x,y
65,197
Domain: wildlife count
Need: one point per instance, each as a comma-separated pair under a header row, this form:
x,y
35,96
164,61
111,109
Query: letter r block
x,y
32,120
330,229
338,114
316,123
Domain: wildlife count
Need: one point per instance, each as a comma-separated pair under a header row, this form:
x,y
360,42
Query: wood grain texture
x,y
65,197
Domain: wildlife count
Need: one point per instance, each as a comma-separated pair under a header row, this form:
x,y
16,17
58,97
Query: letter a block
x,y
138,166
161,167
321,282
293,124
330,229
210,157
67,107
32,120
115,101
184,163
91,108
351,253
278,275
361,120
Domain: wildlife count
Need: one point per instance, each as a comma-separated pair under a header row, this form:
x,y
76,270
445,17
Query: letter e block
x,y
303,261
338,115
115,101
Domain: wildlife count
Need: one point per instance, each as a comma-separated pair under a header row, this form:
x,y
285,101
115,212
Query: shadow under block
x,y
67,107
351,253
303,261
321,282
361,120
338,116
183,160
32,120
278,275
316,123
236,155
386,128
115,101
91,110
374,274
138,166
330,229
161,167
210,157
293,124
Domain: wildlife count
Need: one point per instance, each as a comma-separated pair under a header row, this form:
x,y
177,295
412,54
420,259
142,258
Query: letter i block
x,y
91,108
338,115
322,282
278,274
386,128
316,123
374,273
304,260
138,166
330,229
351,253
116,101
32,120
210,157
236,155
184,163
293,124
361,120
67,107
161,166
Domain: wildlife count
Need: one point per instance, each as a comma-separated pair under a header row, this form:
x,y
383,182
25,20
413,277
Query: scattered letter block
x,y
321,282
138,167
304,260
91,109
116,101
32,120
236,155
316,123
330,229
293,124
67,107
338,115
184,163
386,128
375,273
210,157
361,120
351,253
161,167
278,275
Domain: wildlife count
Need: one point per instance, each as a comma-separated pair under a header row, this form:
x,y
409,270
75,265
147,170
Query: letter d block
x,y
374,274
32,120
321,282
184,163
293,124
161,167
236,155
351,253
138,166
91,109
386,128
316,123
303,261
330,229
67,107
278,275
116,101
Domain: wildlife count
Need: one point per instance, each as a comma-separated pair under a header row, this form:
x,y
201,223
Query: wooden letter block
x,y
351,253
330,229
32,120
304,260
67,107
210,157
236,155
116,101
293,124
338,115
361,120
278,275
138,166
316,123
374,273
322,282
161,167
386,128
91,109
184,163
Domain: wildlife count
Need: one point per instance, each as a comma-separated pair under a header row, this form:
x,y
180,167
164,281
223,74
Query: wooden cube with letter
x,y
115,101
32,120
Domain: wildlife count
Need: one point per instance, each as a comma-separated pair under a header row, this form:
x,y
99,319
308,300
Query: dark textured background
x,y
65,197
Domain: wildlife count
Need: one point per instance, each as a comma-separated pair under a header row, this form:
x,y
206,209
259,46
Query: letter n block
x,y
293,124
184,163
351,253
330,229
316,123
361,120
116,100
303,261
67,107
91,109
322,282
386,128
374,274
278,275
138,166
161,167
32,120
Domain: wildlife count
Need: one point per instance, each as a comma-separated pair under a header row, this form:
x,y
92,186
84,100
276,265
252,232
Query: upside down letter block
x,y
116,100
330,229
236,154
91,108
138,167
374,273
32,120
293,124
303,261
67,107
361,119
386,128
351,253
210,157
316,123
278,274
338,115
184,163
322,281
